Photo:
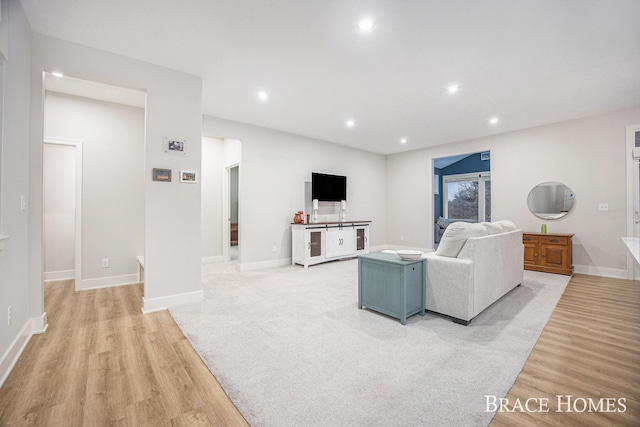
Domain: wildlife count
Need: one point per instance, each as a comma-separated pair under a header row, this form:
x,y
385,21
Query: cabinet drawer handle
x,y
554,240
526,239
535,255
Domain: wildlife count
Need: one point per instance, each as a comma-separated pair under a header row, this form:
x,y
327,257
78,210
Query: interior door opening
x,y
461,191
62,210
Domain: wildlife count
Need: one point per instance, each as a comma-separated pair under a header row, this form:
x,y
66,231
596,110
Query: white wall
x,y
14,290
172,210
211,199
112,136
273,172
59,212
588,155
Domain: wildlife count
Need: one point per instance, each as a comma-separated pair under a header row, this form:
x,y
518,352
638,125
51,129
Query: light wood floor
x,y
102,362
590,348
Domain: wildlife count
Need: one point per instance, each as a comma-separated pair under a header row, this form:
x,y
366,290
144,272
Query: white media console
x,y
314,243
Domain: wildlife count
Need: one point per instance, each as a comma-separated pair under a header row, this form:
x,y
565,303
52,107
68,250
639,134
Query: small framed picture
x,y
162,175
175,146
189,176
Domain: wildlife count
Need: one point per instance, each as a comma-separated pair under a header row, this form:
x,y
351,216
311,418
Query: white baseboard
x,y
150,305
264,264
36,325
54,276
109,282
592,270
212,259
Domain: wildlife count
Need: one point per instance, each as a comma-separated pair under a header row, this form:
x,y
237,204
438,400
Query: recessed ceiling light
x,y
350,123
403,141
366,24
57,74
263,96
493,120
453,88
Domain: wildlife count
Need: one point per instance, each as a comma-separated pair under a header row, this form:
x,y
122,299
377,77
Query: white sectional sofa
x,y
474,266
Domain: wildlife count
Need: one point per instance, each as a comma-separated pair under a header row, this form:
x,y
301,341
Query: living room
x,y
587,152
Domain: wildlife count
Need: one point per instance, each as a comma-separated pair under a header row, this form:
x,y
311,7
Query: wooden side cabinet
x,y
550,253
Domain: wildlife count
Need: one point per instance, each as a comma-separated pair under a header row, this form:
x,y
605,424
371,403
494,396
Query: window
x,y
467,196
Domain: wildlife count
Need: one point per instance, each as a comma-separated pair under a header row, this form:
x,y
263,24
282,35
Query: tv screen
x,y
328,188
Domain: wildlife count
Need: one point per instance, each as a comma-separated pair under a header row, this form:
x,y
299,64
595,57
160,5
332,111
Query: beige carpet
x,y
291,348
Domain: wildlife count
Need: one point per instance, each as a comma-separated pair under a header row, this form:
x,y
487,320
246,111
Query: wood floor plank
x,y
103,362
589,349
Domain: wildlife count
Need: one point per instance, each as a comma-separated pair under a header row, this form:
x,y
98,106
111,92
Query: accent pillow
x,y
443,222
493,227
507,225
456,235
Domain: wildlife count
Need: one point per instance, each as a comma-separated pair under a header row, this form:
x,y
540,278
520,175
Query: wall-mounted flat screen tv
x,y
328,188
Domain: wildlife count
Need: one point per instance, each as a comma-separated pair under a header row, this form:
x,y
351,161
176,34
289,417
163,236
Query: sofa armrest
x,y
449,286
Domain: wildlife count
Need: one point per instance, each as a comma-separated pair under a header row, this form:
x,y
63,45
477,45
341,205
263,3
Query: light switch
x,y
603,207
23,203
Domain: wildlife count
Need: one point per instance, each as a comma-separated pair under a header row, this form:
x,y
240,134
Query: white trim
x,y
78,214
10,357
481,177
212,259
151,305
226,209
592,270
54,276
109,282
3,239
39,325
264,264
632,171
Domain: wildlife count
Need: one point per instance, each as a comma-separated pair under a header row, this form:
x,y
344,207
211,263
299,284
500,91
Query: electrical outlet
x,y
105,263
604,207
9,314
273,249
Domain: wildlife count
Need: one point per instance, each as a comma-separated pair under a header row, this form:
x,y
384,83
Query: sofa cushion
x,y
443,222
456,235
493,227
507,225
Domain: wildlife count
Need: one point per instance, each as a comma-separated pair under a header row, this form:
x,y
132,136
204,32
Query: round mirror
x,y
550,200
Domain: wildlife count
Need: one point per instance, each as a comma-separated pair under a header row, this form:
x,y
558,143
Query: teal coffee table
x,y
390,285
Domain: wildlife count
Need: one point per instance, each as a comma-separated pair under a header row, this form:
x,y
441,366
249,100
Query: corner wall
x,y
172,209
588,155
14,291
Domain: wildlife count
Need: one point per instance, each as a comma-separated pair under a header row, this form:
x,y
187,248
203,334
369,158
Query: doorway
x,y
231,205
62,210
462,190
101,128
633,194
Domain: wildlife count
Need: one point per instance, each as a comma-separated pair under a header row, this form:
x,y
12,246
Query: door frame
x,y
633,194
226,212
78,202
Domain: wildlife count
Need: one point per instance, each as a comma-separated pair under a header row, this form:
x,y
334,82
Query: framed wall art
x,y
189,176
175,146
163,175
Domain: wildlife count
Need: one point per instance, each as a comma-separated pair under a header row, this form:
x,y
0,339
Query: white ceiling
x,y
528,62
